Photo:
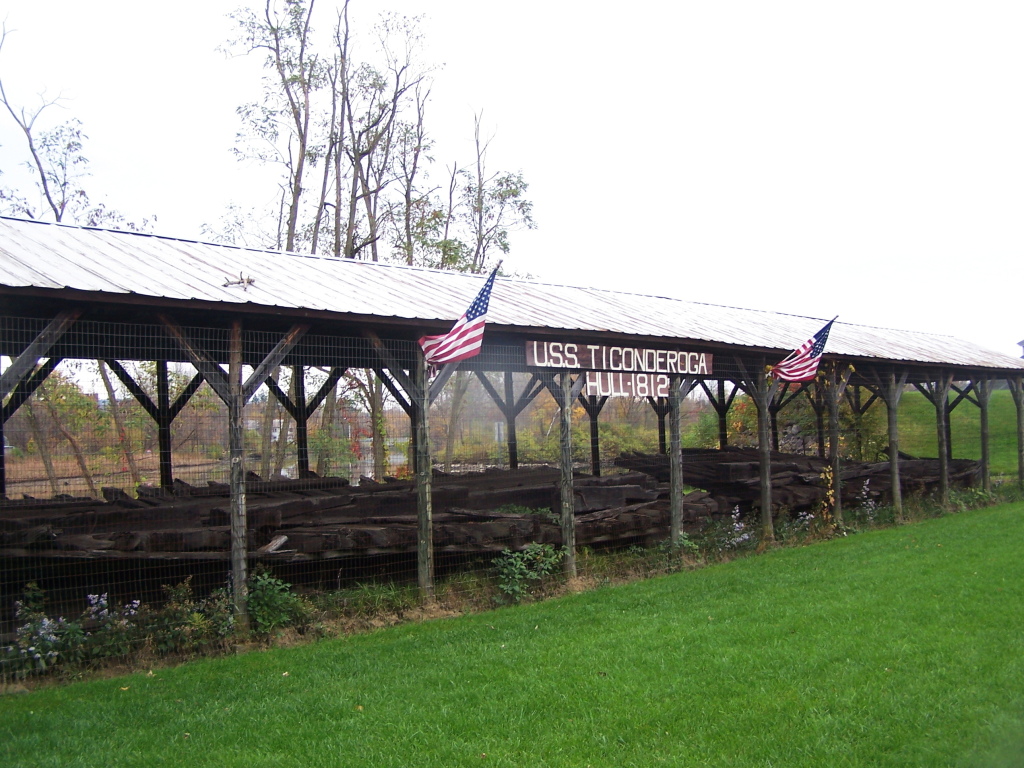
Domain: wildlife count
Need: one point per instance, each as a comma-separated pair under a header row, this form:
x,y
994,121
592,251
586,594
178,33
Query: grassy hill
x,y
894,647
918,436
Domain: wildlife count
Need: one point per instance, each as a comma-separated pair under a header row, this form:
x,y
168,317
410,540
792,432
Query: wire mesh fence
x,y
115,527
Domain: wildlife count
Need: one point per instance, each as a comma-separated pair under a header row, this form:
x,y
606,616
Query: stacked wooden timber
x,y
732,477
327,518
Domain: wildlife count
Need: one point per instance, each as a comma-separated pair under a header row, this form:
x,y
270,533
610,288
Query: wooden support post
x,y
937,393
568,513
511,407
593,404
984,389
762,391
721,404
723,414
834,383
675,461
510,414
163,426
420,397
301,421
236,448
941,392
661,407
891,390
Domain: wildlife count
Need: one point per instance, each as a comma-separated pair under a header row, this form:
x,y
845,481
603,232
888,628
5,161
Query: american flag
x,y
464,339
802,363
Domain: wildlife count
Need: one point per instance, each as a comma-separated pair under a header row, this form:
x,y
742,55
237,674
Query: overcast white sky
x,y
859,159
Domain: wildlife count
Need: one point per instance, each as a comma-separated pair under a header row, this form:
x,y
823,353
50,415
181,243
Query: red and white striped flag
x,y
466,336
802,363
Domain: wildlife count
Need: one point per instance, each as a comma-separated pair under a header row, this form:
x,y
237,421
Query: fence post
x,y
675,460
568,514
420,396
239,527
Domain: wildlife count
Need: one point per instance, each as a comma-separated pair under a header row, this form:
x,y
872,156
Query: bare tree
x,y
495,205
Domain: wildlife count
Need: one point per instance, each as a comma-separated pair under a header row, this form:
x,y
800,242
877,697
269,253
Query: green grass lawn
x,y
895,647
918,435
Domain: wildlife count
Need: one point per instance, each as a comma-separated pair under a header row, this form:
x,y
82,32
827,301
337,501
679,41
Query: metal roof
x,y
40,255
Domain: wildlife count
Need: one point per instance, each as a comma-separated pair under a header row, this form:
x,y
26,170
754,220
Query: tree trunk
x,y
122,434
42,447
459,387
75,447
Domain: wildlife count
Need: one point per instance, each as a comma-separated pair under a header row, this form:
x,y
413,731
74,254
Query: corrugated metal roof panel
x,y
42,255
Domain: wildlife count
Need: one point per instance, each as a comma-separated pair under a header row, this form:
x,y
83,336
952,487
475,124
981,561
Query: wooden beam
x,y
22,365
565,397
236,451
891,390
593,404
163,424
424,479
833,384
25,388
202,362
441,379
275,357
757,385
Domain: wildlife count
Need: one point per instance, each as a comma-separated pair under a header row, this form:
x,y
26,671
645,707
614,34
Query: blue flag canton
x,y
820,338
479,305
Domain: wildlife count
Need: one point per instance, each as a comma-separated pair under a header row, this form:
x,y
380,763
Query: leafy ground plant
x,y
520,573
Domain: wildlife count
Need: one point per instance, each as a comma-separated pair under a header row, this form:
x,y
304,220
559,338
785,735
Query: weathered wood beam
x,y
757,385
22,365
890,389
937,393
394,367
441,379
593,404
566,396
392,386
273,359
424,479
662,407
236,452
163,432
511,406
25,388
140,395
202,362
721,404
833,384
163,412
22,391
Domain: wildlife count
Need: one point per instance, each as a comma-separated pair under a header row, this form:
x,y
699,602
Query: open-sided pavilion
x,y
237,314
